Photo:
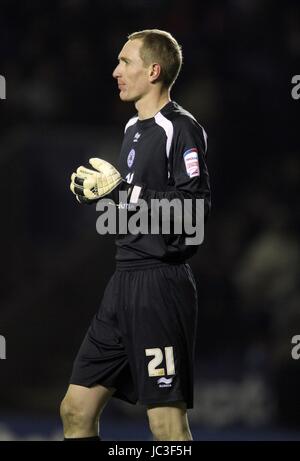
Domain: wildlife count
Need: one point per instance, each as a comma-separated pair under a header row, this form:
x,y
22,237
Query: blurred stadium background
x,y
62,107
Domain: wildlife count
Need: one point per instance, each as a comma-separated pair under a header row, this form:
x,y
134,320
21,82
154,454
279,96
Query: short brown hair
x,y
161,47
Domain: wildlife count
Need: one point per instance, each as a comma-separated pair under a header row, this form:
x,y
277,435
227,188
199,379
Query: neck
x,y
149,105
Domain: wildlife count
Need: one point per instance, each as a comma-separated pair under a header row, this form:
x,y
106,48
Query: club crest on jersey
x,y
130,158
191,162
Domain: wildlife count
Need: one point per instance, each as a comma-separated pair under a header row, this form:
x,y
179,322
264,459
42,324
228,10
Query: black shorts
x,y
141,342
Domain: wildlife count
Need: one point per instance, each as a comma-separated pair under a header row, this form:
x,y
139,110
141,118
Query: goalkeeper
x,y
140,344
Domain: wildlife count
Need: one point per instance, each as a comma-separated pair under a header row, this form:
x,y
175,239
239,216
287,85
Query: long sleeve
x,y
189,177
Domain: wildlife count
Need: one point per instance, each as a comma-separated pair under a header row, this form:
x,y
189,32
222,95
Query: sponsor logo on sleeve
x,y
191,162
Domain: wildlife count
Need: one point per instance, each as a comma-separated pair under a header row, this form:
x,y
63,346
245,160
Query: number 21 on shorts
x,y
158,357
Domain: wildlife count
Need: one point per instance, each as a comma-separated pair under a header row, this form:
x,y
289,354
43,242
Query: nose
x,y
116,72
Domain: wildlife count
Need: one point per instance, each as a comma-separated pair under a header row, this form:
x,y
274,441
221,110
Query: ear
x,y
155,72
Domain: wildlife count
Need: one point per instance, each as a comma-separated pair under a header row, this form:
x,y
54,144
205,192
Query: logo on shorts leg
x,y
165,382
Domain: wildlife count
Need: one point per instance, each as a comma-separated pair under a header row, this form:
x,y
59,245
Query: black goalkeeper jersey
x,y
163,157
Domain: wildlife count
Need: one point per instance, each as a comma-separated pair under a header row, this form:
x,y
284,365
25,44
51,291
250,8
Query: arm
x,y
189,177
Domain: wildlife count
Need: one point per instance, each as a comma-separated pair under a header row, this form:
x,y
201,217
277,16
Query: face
x,y
132,76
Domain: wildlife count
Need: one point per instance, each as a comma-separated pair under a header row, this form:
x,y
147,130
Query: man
x,y
140,345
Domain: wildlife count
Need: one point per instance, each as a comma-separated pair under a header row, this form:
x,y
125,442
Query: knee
x,y
73,414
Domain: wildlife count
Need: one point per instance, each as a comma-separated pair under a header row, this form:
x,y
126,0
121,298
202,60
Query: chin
x,y
126,98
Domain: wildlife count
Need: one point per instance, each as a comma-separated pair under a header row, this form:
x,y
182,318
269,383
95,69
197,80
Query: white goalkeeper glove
x,y
89,185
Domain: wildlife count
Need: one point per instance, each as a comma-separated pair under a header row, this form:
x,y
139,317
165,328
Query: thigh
x,y
172,416
174,410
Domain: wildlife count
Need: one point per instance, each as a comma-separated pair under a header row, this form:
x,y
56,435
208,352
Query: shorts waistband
x,y
144,264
